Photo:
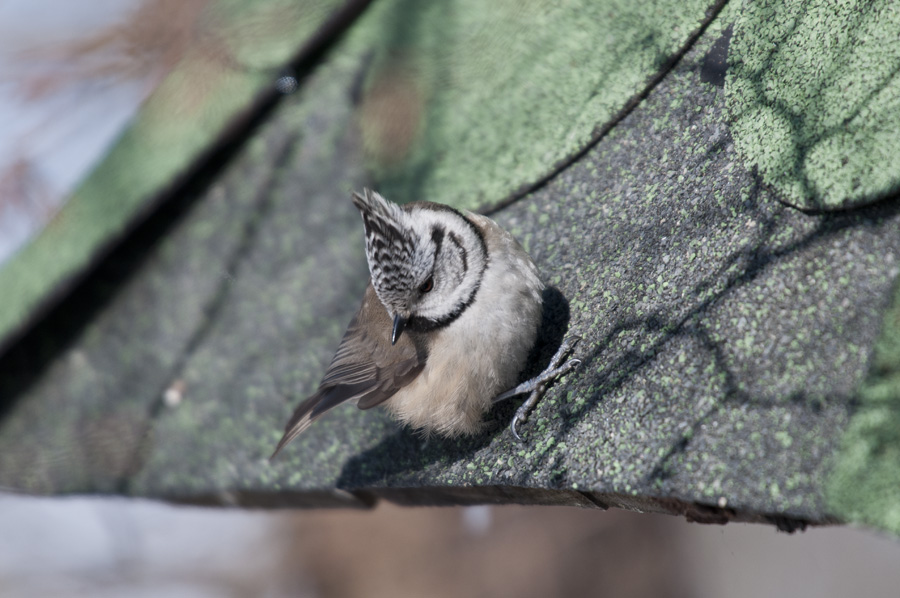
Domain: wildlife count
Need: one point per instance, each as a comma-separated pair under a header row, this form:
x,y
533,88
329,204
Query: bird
x,y
447,322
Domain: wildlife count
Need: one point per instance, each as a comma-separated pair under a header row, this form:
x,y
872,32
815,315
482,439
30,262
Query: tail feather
x,y
301,420
318,405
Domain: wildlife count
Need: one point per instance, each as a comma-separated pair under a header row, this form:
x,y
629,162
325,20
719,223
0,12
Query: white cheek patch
x,y
459,266
452,267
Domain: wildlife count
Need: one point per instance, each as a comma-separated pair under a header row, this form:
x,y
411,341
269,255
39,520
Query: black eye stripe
x,y
437,237
462,251
421,324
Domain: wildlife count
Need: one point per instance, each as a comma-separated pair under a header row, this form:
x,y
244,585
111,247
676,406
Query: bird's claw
x,y
553,371
512,427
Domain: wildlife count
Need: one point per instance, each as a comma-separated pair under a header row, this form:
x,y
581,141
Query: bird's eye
x,y
427,285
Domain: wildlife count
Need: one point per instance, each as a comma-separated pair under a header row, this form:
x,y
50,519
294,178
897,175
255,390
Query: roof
x,y
709,189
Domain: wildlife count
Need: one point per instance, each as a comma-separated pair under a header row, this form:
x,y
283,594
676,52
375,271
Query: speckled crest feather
x,y
390,247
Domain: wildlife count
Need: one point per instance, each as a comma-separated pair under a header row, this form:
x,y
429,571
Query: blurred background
x,y
72,75
74,547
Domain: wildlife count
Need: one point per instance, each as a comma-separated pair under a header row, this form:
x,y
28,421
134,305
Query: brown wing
x,y
366,369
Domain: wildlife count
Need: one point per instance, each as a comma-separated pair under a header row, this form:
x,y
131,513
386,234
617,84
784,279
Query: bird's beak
x,y
399,325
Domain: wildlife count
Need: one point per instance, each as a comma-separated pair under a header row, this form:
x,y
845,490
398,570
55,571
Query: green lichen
x,y
814,93
508,88
864,486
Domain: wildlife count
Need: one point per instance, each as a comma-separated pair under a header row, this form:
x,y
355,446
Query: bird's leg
x,y
537,385
553,370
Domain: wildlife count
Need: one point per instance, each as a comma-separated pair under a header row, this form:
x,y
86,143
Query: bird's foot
x,y
537,385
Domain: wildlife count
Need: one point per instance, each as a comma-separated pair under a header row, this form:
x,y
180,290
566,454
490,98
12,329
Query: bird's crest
x,y
390,248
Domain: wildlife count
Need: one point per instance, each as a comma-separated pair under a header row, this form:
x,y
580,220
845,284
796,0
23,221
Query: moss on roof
x,y
526,83
865,484
814,91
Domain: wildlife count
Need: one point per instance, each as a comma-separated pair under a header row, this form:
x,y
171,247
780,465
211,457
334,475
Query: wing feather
x,y
366,369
